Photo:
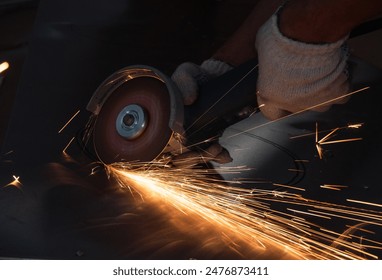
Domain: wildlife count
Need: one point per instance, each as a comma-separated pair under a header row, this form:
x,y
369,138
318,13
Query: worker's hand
x,y
294,76
189,76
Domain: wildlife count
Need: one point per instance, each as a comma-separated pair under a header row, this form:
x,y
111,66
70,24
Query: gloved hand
x,y
294,76
188,77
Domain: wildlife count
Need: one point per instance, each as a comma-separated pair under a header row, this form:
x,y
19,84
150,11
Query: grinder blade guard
x,y
140,113
137,112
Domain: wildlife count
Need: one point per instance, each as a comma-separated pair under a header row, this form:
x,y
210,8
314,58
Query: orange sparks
x,y
301,111
67,146
349,126
357,125
246,214
15,183
95,170
333,187
4,66
308,213
69,121
364,202
323,140
224,95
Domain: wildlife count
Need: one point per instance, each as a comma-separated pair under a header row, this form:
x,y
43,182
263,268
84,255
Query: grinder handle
x,y
222,102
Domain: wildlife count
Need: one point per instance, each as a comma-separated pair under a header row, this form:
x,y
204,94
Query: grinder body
x,y
140,113
221,102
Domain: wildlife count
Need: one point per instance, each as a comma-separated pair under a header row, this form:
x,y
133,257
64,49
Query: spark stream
x,y
246,215
134,271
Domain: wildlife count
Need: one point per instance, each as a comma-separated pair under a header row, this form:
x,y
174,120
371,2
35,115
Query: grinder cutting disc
x,y
133,123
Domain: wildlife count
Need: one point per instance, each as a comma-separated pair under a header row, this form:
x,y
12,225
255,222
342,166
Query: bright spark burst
x,y
4,66
246,213
324,140
15,183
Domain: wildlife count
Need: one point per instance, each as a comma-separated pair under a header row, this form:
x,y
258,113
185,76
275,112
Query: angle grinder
x,y
140,114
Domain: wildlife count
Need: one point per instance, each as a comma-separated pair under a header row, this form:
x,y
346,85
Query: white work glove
x,y
294,76
188,77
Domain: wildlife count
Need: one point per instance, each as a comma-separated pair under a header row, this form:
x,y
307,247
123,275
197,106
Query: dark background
x,y
59,52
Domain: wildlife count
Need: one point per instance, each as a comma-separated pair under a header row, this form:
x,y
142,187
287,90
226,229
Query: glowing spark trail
x,y
15,183
333,187
245,214
301,111
364,202
67,146
323,141
224,95
290,187
353,126
68,122
4,66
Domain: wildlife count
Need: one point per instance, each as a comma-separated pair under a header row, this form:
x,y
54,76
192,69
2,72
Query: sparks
x,y
224,95
4,66
69,121
245,214
356,126
95,170
15,183
333,187
301,111
364,202
353,126
67,145
323,140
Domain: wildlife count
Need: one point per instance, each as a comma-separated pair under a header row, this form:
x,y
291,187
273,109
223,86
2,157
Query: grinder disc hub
x,y
131,121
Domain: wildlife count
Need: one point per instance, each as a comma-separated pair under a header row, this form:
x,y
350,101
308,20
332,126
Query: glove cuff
x,y
295,75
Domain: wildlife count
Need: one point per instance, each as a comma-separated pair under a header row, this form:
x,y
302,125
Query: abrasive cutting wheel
x,y
139,111
133,123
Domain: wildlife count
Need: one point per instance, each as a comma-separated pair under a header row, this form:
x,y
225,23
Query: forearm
x,y
240,47
310,21
325,21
